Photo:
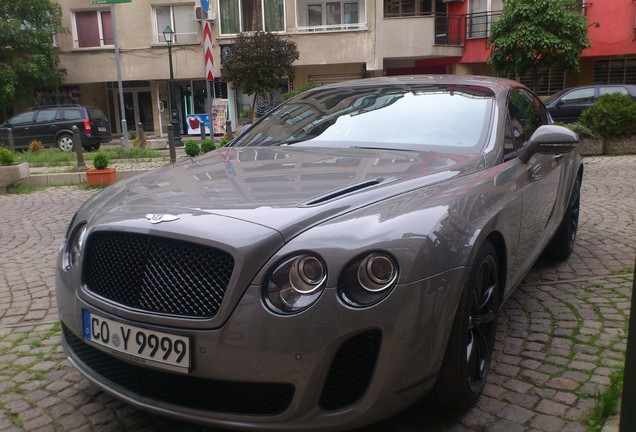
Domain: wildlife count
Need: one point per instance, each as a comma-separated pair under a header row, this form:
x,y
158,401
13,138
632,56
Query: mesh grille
x,y
351,370
211,395
157,274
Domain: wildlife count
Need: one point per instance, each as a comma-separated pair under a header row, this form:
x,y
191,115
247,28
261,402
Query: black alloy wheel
x,y
468,357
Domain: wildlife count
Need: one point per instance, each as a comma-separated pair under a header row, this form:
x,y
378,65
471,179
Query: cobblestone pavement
x,y
561,334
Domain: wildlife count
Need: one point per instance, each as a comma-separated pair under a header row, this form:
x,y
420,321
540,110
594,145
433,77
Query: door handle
x,y
558,157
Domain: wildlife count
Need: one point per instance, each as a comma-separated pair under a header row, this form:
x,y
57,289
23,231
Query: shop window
x,y
238,16
615,71
180,19
93,29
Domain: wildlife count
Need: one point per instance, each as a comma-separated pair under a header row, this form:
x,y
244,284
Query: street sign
x,y
110,1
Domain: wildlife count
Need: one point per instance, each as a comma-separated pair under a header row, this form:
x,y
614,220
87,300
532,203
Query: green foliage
x,y
192,148
224,142
132,134
258,61
612,116
100,160
307,86
607,402
581,130
7,157
29,59
539,33
207,145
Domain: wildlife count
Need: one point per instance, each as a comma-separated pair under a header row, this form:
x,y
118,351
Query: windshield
x,y
432,117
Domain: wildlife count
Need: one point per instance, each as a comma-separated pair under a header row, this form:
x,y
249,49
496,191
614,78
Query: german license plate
x,y
101,128
151,347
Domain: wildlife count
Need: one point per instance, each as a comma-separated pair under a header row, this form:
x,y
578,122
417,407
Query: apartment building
x,y
337,40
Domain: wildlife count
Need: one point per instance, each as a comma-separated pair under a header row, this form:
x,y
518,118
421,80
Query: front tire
x,y
470,346
65,143
562,244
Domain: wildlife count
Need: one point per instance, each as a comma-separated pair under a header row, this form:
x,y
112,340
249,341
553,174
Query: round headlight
x,y
296,283
377,272
74,245
368,279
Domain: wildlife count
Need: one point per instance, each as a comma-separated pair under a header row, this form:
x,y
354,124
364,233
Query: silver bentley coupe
x,y
342,257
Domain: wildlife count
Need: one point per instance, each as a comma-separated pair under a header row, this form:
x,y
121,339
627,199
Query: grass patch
x,y
624,270
25,189
607,402
56,157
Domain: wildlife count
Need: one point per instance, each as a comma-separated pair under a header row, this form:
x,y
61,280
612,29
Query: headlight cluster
x,y
298,281
368,279
73,245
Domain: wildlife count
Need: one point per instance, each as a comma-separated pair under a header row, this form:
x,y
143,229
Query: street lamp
x,y
168,35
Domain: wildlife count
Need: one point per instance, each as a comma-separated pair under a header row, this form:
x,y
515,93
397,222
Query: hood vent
x,y
337,193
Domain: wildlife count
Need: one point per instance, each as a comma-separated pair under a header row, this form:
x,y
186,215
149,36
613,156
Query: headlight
x,y
296,283
73,246
368,279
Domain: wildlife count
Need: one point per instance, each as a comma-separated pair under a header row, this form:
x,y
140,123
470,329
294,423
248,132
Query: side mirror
x,y
549,139
560,103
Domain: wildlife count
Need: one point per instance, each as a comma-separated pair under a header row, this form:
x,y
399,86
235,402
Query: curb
x,y
65,179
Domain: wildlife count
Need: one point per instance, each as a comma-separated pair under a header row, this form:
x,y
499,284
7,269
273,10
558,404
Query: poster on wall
x,y
219,114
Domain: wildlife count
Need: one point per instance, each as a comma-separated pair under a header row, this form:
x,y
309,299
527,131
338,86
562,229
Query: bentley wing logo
x,y
156,218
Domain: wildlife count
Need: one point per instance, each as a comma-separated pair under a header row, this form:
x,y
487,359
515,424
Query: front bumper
x,y
329,367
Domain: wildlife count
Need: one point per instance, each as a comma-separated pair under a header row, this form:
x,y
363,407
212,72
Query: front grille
x,y
229,397
351,370
157,274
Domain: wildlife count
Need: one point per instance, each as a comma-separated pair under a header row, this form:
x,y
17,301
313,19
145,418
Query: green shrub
x,y
132,134
224,142
307,86
612,116
207,145
7,157
100,160
581,130
192,148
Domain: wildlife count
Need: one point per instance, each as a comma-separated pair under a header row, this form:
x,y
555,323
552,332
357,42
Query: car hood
x,y
283,188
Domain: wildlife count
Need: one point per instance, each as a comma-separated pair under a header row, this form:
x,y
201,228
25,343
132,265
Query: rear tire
x,y
65,143
468,356
562,244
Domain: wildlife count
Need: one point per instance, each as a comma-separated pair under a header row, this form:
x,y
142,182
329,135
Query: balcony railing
x,y
454,29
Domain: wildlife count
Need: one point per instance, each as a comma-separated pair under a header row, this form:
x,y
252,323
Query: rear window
x,y
96,114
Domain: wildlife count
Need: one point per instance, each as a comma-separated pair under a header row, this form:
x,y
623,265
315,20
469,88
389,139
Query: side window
x,y
71,114
525,114
22,119
578,97
608,90
46,116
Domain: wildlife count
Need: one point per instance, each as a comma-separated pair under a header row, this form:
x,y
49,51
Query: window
x,y
330,15
482,15
615,71
46,116
24,118
525,115
251,15
402,8
181,21
93,29
578,97
71,114
551,80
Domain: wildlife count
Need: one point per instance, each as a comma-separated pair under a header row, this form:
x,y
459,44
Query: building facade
x,y
337,40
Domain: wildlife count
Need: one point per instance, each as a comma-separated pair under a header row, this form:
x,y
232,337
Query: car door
x,y
43,128
537,181
569,107
21,126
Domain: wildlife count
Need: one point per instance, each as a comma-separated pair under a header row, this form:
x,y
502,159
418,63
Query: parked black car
x,y
53,126
567,105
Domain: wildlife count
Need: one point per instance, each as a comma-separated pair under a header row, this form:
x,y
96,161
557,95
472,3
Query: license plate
x,y
101,129
151,347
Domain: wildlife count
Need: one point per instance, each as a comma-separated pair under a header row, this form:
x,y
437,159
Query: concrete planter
x,y
11,174
595,147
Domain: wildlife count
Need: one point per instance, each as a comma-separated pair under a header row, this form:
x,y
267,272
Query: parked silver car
x,y
344,256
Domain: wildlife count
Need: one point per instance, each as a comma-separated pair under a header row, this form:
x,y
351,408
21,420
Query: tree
x,y
258,61
533,34
28,58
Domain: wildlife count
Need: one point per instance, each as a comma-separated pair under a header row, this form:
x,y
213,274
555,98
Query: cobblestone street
x,y
561,334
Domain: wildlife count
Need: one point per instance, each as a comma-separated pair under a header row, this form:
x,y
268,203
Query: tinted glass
x,y
440,117
71,114
46,116
578,97
96,114
526,114
23,118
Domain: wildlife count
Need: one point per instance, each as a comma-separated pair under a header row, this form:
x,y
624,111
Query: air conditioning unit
x,y
200,15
